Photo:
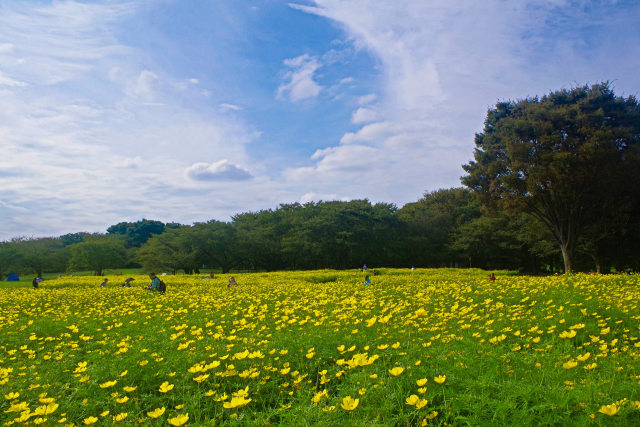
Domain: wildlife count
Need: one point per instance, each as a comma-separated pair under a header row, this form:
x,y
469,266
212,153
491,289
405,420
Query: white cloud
x,y
221,170
299,84
367,99
230,107
91,151
8,81
363,115
442,65
373,132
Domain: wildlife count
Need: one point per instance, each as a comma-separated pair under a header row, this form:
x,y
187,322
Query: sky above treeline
x,y
194,110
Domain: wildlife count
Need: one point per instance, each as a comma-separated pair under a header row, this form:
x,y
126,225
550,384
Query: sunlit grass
x,y
430,346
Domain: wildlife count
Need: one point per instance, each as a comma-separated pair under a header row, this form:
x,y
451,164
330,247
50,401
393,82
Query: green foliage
x,y
567,158
97,255
137,233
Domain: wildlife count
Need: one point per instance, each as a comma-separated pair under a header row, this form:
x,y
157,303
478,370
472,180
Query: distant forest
x,y
554,186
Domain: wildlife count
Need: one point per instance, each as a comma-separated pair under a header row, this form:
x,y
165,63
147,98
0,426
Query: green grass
x,y
430,322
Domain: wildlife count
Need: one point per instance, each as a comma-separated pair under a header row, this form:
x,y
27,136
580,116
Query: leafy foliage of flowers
x,y
417,348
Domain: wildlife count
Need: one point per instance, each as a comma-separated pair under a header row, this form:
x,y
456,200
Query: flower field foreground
x,y
296,348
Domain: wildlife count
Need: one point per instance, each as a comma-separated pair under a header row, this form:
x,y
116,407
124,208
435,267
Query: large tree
x,y
97,254
563,158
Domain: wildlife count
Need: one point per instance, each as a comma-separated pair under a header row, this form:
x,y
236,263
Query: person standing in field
x,y
34,282
104,283
367,281
492,277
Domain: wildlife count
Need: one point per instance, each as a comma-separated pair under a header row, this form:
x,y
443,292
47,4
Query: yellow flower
x,y
179,420
584,357
236,402
105,413
156,412
165,387
605,331
422,404
18,407
121,416
396,371
590,366
178,407
349,404
12,395
412,400
440,379
318,396
610,410
570,364
422,390
122,399
129,389
47,409
89,420
421,382
201,378
108,384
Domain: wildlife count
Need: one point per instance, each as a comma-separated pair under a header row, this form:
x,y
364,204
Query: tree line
x,y
554,186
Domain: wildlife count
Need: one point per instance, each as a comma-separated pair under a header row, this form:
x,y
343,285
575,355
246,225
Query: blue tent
x,y
13,277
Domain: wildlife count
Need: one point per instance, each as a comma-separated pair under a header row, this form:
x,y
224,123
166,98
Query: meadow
x,y
423,347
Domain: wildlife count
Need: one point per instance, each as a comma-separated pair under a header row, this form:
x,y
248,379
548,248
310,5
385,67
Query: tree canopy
x,y
570,159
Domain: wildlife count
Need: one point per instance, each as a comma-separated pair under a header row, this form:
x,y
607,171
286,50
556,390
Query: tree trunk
x,y
566,257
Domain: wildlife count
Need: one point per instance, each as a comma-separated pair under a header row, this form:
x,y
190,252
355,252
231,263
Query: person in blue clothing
x,y
104,283
367,281
155,283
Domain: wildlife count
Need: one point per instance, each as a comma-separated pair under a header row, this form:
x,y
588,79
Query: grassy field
x,y
302,348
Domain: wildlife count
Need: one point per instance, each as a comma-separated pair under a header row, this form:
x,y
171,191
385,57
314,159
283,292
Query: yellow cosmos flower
x,y
422,390
605,331
105,413
201,378
156,412
40,420
236,402
610,410
121,416
108,384
18,407
570,364
179,420
349,404
422,404
178,407
122,399
396,371
583,357
318,396
440,379
165,387
590,366
129,389
47,409
12,395
421,382
412,400
89,420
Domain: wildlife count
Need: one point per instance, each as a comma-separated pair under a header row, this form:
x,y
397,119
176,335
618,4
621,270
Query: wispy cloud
x,y
221,170
299,84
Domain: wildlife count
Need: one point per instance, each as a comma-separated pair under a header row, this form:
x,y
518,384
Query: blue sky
x,y
192,110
